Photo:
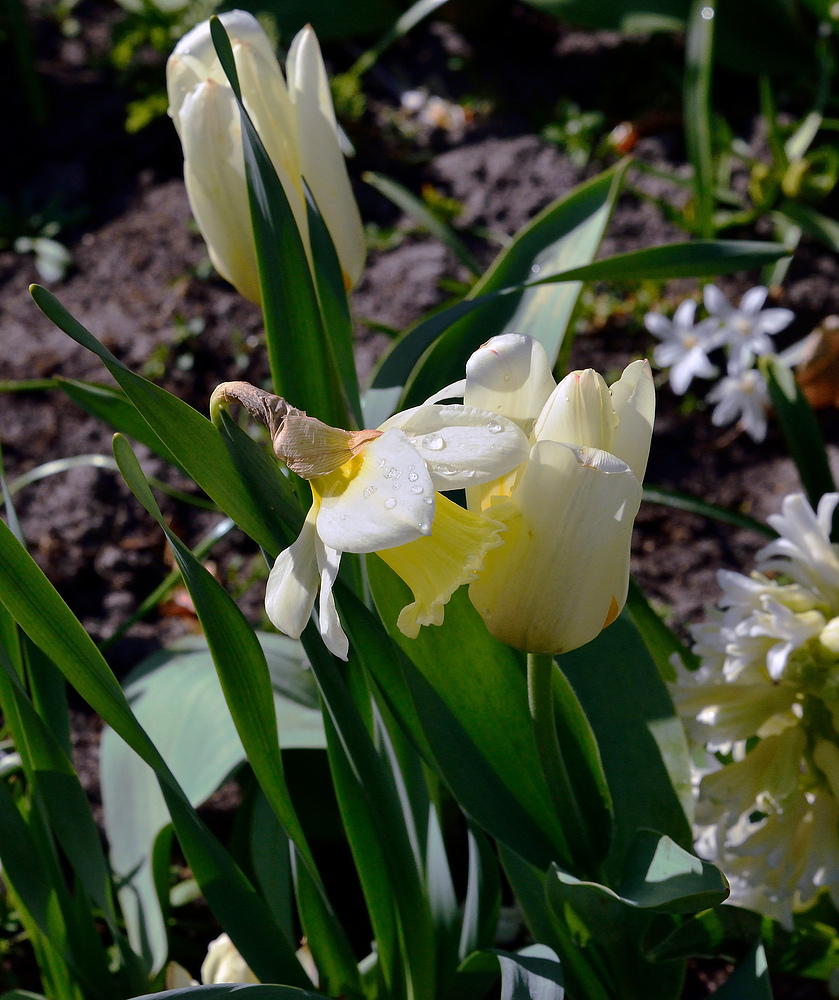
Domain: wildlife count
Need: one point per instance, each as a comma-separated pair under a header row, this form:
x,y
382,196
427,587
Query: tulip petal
x,y
633,397
382,497
563,571
215,183
321,160
293,581
579,412
435,566
510,375
334,638
461,445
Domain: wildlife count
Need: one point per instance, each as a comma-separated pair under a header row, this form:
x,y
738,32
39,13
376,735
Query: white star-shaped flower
x,y
747,328
744,395
684,347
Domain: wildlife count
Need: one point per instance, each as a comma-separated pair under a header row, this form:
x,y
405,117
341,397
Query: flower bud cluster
x,y
762,713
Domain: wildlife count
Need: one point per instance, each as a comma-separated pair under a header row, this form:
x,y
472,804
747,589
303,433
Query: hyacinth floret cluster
x,y
762,715
743,333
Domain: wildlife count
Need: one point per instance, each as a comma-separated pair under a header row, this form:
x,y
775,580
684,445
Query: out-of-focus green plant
x,y
576,132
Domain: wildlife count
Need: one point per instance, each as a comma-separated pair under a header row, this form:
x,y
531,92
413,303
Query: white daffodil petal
x,y
453,391
335,640
461,445
510,375
633,397
386,500
579,412
293,581
562,573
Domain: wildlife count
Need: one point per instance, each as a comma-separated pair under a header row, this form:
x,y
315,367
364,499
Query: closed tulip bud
x,y
224,964
296,124
562,574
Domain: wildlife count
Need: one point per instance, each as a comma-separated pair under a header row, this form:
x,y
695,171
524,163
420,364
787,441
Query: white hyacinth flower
x,y
684,347
746,329
741,395
767,692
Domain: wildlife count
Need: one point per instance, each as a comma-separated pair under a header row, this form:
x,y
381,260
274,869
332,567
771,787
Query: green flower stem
x,y
540,668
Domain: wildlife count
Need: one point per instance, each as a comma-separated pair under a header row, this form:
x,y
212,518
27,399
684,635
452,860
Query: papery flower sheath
x,y
562,574
375,491
296,123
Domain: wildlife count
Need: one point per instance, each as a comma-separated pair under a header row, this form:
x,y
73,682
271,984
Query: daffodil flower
x,y
376,491
296,123
562,574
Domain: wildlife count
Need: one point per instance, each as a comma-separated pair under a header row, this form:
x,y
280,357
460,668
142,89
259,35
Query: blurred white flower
x,y
224,964
684,346
744,395
767,694
747,328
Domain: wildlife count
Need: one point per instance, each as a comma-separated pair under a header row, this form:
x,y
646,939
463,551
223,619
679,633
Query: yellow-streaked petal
x,y
321,160
462,445
579,412
293,580
436,565
510,375
381,498
563,570
633,397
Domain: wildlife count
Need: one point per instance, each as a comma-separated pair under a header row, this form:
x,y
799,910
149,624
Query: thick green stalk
x,y
540,668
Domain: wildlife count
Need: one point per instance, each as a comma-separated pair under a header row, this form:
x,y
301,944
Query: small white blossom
x,y
741,395
747,328
684,346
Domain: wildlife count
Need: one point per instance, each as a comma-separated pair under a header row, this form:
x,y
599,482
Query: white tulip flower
x,y
296,123
224,964
562,572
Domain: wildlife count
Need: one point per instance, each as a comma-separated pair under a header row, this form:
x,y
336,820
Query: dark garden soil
x,y
140,283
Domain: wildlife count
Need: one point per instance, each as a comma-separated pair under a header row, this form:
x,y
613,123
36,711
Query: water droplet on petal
x,y
433,442
416,489
393,473
494,428
412,477
382,463
506,378
390,503
369,492
428,500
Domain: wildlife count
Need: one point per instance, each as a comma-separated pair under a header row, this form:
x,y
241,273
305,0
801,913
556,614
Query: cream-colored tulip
x,y
562,574
296,123
224,964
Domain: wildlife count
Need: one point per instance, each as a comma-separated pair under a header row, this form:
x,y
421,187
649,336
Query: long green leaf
x,y
47,620
246,683
699,60
683,501
700,258
750,980
661,643
193,440
402,198
476,719
298,352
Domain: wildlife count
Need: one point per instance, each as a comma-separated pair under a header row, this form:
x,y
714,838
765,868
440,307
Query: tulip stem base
x,y
540,671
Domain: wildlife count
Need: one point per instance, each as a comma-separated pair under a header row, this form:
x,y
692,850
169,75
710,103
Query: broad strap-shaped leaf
x,y
46,619
196,445
750,980
301,359
534,973
177,698
476,719
245,680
